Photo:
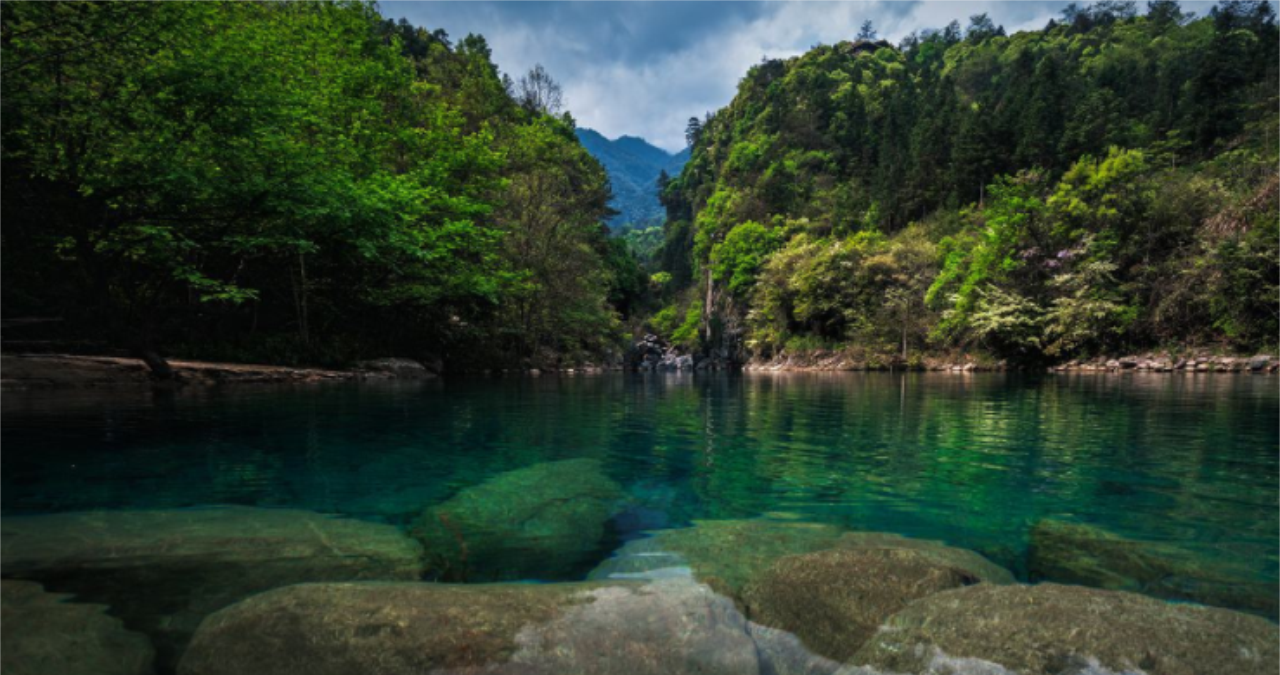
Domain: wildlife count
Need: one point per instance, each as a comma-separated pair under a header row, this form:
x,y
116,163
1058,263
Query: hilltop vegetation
x,y
296,182
1106,183
311,183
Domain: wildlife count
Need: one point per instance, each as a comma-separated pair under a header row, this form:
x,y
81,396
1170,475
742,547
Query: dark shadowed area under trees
x,y
295,183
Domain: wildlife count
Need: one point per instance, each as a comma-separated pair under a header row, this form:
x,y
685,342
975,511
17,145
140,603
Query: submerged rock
x,y
729,554
1082,554
939,553
834,600
43,635
164,571
1051,629
540,522
724,554
566,628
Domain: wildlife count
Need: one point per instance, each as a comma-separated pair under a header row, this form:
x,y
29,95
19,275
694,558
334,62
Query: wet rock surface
x,y
72,372
398,629
724,554
531,523
834,600
1050,629
164,571
729,554
43,634
396,368
936,552
66,371
652,353
1082,554
1165,362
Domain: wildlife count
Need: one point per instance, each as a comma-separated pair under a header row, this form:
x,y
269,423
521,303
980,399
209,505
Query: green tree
x,y
291,182
1164,14
737,259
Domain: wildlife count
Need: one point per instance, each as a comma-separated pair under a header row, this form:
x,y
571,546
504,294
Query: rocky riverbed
x,y
251,591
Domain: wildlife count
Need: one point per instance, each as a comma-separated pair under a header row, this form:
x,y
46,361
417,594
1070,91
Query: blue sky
x,y
643,68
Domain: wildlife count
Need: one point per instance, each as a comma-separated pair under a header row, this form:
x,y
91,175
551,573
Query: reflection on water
x,y
973,460
807,502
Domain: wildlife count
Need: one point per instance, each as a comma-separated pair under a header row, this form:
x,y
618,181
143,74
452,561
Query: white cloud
x,y
654,99
616,85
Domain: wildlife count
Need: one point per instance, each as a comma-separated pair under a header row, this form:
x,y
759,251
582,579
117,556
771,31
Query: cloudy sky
x,y
643,68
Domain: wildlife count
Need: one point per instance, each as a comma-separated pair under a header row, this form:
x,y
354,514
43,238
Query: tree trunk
x,y
706,312
300,299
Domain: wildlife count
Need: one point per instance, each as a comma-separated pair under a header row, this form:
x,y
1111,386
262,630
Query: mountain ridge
x,y
633,165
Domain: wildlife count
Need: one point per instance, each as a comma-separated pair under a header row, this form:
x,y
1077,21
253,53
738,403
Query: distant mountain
x,y
633,166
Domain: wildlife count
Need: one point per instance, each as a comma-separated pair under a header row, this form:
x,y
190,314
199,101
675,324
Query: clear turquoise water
x,y
973,460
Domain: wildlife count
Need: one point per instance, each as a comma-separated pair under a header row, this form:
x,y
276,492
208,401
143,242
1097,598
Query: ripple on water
x,y
973,460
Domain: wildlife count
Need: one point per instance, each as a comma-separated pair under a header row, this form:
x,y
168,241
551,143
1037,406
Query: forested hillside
x,y
1106,183
633,166
296,182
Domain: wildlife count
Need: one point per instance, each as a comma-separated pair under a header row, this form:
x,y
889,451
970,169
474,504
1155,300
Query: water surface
x,y
972,459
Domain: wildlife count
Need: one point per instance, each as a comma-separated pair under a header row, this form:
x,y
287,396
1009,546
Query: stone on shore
x,y
1082,554
395,368
834,600
164,571
42,634
541,522
517,629
1052,629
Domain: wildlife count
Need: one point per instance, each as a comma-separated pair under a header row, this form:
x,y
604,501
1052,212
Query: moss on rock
x,y
1050,629
163,571
582,628
540,522
44,635
835,599
724,554
729,554
1082,554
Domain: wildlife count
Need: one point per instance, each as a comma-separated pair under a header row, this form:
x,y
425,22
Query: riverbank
x,y
67,371
1161,362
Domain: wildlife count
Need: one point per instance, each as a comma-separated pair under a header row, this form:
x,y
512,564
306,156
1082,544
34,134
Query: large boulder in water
x,y
724,554
1052,629
729,554
517,629
164,571
44,635
1082,554
963,559
541,522
834,600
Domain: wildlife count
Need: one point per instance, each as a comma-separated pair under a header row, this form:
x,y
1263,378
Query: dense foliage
x,y
1106,183
296,182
